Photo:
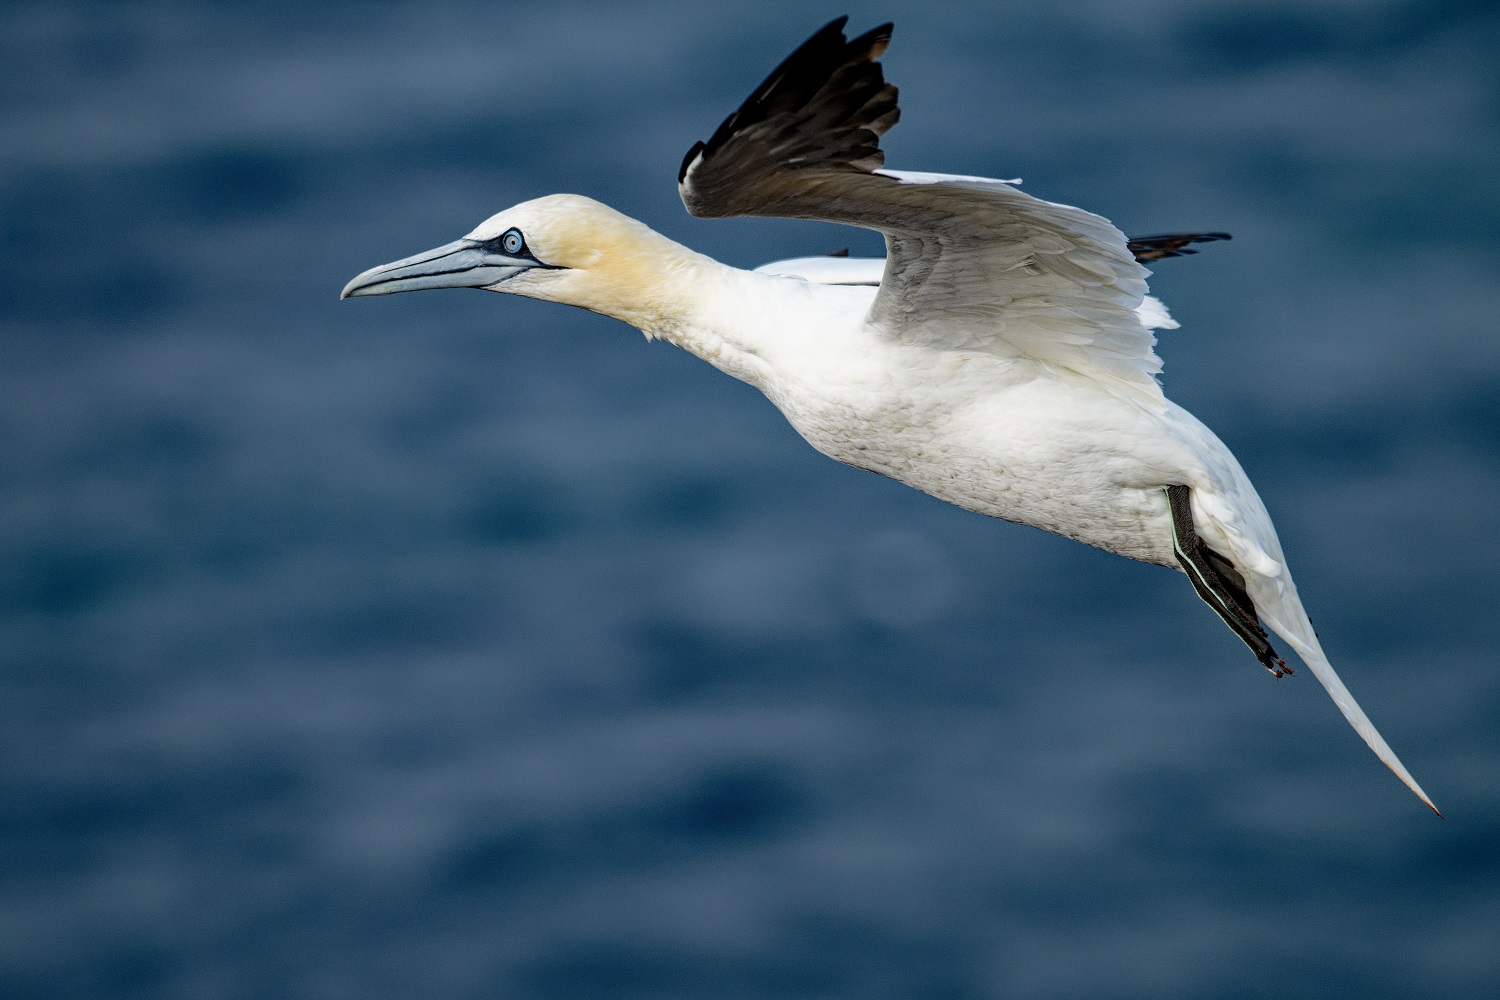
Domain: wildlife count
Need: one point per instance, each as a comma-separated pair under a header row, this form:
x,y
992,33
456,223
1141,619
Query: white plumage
x,y
1000,358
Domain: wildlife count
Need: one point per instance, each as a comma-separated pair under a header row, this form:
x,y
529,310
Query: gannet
x,y
1000,357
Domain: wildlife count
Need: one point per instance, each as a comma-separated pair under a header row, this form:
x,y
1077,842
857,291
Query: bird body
x,y
1000,358
1006,436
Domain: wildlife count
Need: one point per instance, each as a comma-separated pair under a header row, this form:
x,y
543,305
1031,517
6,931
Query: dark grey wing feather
x,y
822,111
1171,245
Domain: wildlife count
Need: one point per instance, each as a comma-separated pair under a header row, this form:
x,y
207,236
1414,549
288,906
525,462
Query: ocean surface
x,y
451,645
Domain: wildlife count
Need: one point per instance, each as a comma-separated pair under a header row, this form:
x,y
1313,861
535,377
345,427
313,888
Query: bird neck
x,y
675,294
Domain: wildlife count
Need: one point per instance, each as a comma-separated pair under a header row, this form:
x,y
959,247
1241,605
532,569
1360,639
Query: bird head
x,y
561,248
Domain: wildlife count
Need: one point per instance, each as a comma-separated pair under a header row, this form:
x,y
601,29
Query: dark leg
x,y
1219,583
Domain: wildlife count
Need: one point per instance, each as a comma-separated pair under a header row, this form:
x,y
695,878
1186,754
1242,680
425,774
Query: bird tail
x,y
1305,642
1235,519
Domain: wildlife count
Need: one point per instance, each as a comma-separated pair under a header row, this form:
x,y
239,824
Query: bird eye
x,y
512,242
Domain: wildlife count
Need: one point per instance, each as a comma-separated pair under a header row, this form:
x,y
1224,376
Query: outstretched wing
x,y
972,263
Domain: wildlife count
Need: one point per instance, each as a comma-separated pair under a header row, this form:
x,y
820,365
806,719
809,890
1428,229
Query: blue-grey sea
x,y
460,646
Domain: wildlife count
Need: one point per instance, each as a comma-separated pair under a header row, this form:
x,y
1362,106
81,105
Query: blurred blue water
x,y
451,645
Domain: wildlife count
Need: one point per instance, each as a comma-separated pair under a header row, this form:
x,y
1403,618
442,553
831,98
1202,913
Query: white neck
x,y
726,316
741,322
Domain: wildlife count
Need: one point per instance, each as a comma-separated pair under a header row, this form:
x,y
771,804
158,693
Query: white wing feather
x,y
1152,312
977,264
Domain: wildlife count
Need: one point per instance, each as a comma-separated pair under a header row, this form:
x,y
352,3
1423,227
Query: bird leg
x,y
1219,584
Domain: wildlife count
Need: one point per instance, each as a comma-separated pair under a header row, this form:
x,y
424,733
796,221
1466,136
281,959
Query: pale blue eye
x,y
512,243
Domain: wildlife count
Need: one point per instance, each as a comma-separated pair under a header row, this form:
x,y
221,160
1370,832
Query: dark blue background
x,y
451,645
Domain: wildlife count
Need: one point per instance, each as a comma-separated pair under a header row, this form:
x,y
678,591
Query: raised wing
x,y
972,263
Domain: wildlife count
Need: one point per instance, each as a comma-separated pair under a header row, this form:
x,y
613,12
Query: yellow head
x,y
562,248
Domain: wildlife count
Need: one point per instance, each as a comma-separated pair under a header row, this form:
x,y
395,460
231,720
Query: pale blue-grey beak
x,y
464,264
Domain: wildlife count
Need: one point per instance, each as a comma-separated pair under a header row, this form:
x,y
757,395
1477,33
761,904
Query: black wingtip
x,y
826,38
879,33
687,161
823,109
1148,248
806,71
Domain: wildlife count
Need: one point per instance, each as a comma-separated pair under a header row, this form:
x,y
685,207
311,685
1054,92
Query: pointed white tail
x,y
1312,655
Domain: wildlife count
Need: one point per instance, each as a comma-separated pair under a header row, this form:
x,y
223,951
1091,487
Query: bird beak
x,y
464,264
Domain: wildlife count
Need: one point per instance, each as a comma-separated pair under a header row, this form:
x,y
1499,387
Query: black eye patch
x,y
511,243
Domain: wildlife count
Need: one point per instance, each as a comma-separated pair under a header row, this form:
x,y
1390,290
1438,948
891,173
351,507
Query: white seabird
x,y
999,358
